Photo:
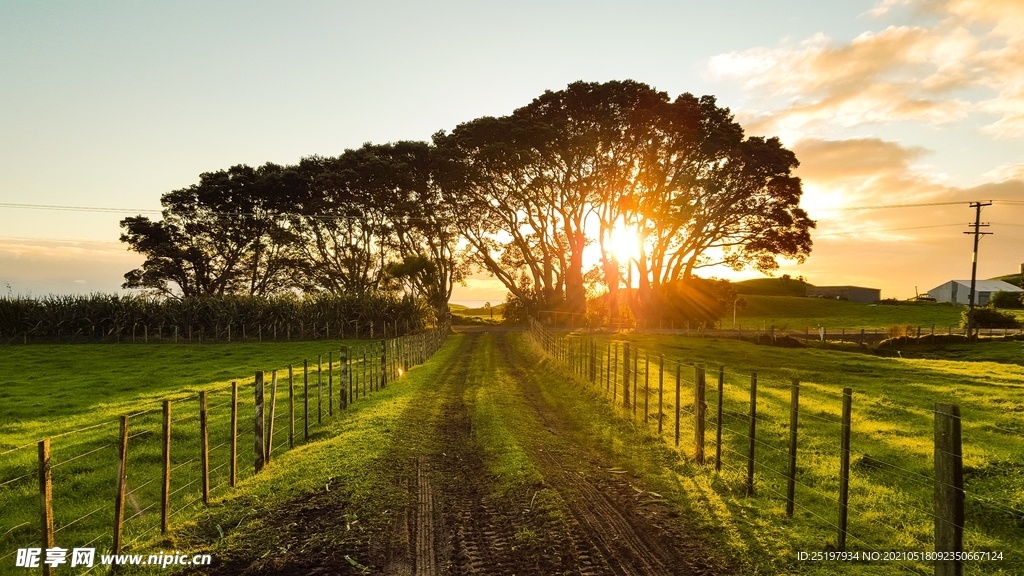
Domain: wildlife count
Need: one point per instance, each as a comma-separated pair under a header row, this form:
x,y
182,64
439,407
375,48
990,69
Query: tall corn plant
x,y
111,317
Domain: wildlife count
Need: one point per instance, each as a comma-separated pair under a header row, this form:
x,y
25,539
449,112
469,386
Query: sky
x,y
111,104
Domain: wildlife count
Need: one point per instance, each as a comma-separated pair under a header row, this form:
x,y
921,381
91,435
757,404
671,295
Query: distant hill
x,y
1015,279
772,287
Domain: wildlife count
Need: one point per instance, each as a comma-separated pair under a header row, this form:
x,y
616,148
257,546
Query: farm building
x,y
851,293
959,291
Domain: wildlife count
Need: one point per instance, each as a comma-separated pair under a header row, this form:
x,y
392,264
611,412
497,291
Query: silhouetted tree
x,y
221,236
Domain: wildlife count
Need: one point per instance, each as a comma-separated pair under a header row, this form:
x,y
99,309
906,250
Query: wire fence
x,y
180,453
777,440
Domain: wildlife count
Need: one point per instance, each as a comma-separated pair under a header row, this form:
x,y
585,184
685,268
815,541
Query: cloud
x,y
971,60
853,158
838,174
1004,172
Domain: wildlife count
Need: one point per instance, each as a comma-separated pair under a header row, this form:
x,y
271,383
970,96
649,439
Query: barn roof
x,y
990,285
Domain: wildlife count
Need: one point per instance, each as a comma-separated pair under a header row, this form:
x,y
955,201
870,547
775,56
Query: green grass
x,y
365,456
1015,279
892,448
501,421
772,287
356,466
75,394
794,313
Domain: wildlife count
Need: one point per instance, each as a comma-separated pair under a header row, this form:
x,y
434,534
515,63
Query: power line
x,y
862,231
108,210
60,240
884,206
75,208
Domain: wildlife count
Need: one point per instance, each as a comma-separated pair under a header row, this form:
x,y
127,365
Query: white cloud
x,y
970,61
1004,172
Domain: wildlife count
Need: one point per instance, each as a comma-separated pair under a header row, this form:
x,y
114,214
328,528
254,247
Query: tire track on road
x,y
626,542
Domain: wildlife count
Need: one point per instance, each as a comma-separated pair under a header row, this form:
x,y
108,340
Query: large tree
x,y
538,177
375,219
498,207
581,163
220,236
706,196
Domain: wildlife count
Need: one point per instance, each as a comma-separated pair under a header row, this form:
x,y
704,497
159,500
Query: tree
x,y
705,196
678,173
512,229
221,236
1003,299
537,178
377,215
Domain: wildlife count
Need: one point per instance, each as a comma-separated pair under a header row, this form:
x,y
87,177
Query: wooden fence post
x,y
122,481
949,488
45,500
234,434
636,372
330,383
614,376
343,375
661,402
319,390
615,373
204,448
273,413
608,370
699,412
718,420
647,388
365,366
258,445
592,361
383,365
165,488
844,468
625,377
291,407
753,430
305,400
678,385
794,412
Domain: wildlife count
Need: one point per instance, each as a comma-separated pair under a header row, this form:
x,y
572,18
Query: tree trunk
x,y
575,292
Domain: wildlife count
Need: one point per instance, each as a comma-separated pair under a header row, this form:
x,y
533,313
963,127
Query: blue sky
x,y
112,104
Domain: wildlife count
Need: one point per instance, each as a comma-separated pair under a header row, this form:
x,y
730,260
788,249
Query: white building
x,y
959,291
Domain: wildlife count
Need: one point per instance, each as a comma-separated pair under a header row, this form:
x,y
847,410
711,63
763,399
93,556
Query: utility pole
x,y
974,264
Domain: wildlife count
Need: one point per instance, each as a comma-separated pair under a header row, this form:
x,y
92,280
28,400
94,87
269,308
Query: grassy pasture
x,y
796,313
772,287
892,489
75,395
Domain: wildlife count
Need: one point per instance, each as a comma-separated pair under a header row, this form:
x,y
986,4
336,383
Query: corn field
x,y
115,318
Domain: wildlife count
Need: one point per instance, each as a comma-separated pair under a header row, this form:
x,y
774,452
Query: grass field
x,y
464,315
892,486
795,313
348,472
772,287
75,394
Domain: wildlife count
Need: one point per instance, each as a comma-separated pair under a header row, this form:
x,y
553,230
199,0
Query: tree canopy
x,y
524,197
576,165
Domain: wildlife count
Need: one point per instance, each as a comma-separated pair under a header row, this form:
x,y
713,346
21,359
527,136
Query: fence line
x,y
783,450
138,498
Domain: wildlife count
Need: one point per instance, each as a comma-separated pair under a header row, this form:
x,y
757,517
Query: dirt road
x,y
488,468
594,520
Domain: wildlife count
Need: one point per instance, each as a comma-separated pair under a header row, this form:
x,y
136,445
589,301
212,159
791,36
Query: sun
x,y
624,243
